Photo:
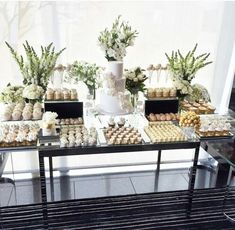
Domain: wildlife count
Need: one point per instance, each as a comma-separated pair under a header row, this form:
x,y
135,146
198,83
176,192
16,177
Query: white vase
x,y
48,132
116,68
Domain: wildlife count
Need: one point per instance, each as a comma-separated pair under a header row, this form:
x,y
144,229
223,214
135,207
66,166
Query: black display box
x,y
71,109
170,105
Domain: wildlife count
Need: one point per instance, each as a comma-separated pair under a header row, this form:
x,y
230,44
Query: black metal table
x,y
225,150
56,151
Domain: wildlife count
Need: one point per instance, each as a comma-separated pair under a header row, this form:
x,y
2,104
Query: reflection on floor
x,y
67,187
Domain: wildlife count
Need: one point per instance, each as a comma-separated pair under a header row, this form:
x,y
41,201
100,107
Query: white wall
x,y
225,59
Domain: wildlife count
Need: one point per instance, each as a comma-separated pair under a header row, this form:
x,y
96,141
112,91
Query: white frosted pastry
x,y
32,136
37,105
16,115
63,142
78,142
27,115
6,116
37,114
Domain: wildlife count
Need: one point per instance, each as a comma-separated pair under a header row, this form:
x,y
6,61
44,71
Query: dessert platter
x,y
19,135
76,136
190,119
165,132
214,126
22,111
200,107
163,117
122,135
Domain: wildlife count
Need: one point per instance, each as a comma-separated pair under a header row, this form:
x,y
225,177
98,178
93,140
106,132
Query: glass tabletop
x,y
225,149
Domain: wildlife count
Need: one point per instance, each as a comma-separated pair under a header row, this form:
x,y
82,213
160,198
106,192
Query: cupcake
x,y
226,129
73,94
50,94
151,93
16,115
111,122
173,92
66,95
165,92
57,95
159,93
6,116
121,122
152,117
37,105
27,115
211,131
37,114
203,131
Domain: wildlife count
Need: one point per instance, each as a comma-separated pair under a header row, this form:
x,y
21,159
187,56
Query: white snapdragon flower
x,y
135,79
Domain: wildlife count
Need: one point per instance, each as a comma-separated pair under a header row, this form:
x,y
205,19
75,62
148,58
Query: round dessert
x,y
121,122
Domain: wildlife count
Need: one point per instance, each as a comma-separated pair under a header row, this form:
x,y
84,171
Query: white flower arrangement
x,y
33,92
184,68
49,120
12,94
115,41
36,68
89,73
135,80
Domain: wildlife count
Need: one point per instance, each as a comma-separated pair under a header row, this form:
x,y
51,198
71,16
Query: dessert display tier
x,y
61,95
158,93
105,131
21,111
65,110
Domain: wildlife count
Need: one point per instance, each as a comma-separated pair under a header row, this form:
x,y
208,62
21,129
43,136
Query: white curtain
x,y
163,26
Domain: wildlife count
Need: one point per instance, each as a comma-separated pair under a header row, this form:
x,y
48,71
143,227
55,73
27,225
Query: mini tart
x,y
202,110
186,106
193,109
210,109
195,104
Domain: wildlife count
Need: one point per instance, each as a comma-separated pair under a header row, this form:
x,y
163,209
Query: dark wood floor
x,y
164,210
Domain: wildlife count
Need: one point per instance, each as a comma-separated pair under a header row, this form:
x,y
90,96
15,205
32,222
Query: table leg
x,y
51,178
43,190
192,178
157,171
159,159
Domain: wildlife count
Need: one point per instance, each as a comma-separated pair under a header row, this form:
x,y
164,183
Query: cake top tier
x,y
116,68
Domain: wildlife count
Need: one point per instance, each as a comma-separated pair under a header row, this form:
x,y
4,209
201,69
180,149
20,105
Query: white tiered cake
x,y
113,98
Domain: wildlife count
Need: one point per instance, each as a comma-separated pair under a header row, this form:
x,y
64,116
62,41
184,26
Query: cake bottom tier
x,y
112,105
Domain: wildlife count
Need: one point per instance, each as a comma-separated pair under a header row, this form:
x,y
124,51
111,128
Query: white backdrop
x,y
163,26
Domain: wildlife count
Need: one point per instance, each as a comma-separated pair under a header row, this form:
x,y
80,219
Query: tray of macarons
x,y
119,133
